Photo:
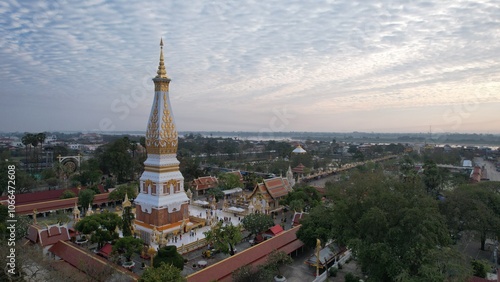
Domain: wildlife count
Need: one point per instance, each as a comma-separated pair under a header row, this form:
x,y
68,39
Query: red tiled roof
x,y
261,188
205,182
299,168
87,262
44,206
48,236
286,241
106,250
43,196
272,189
275,230
277,187
33,234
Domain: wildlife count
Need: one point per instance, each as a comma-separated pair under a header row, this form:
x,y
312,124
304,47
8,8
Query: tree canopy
x,y
169,255
68,194
115,158
317,225
276,259
86,198
229,181
164,272
257,222
302,198
119,193
473,207
100,226
394,228
128,246
224,237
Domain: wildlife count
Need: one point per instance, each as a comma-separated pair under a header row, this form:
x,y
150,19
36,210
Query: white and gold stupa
x,y
162,203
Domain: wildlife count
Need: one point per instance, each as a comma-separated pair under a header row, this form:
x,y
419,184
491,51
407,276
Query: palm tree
x,y
26,141
29,139
34,143
40,137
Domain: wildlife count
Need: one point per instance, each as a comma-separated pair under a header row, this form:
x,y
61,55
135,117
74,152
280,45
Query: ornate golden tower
x,y
162,202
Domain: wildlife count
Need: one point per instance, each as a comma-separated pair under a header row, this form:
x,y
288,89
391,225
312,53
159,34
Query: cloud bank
x,y
239,65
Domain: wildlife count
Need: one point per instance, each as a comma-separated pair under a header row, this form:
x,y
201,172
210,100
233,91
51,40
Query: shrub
x,y
349,277
480,268
333,271
169,255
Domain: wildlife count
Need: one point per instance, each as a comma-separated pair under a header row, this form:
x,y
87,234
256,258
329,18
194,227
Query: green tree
x,y
317,225
473,207
224,237
358,156
248,273
257,222
216,192
4,177
128,246
407,170
302,198
127,218
275,260
85,198
393,228
480,268
26,140
90,173
68,194
115,158
164,272
101,227
349,277
25,182
432,177
40,137
119,193
169,255
190,167
282,149
48,173
229,181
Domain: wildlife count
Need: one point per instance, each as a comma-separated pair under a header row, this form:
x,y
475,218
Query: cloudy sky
x,y
341,65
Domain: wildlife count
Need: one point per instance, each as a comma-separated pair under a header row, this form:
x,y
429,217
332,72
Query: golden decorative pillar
x,y
151,252
76,213
34,216
90,211
318,248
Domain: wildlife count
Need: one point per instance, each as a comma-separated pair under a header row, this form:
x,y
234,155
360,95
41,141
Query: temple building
x,y
266,195
162,203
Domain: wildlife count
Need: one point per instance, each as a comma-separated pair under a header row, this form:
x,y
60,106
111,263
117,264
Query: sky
x,y
264,66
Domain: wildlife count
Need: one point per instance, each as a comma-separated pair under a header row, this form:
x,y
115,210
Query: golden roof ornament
x,y
126,203
76,211
90,211
162,72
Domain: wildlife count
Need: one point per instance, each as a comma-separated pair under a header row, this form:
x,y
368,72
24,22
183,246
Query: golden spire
x,y
161,134
126,203
162,72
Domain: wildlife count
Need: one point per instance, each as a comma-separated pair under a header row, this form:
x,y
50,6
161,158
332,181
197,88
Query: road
x,y
493,174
